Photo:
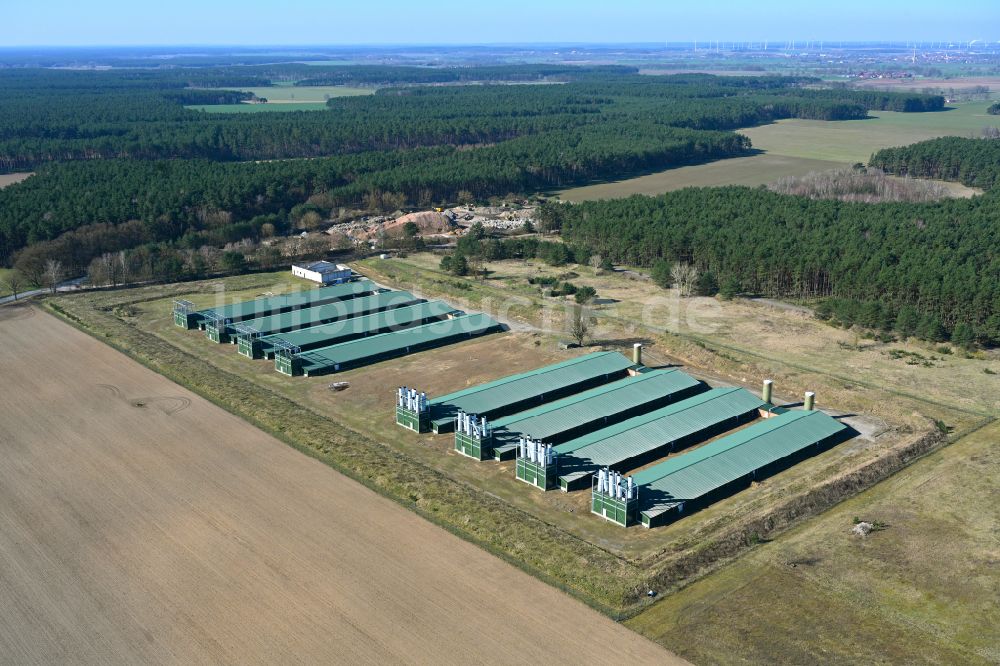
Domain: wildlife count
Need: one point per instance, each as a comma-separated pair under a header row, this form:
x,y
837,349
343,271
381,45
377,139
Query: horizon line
x,y
799,43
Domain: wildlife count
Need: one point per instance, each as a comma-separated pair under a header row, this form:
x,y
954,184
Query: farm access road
x,y
141,524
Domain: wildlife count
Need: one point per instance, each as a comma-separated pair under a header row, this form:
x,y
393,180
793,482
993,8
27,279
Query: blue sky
x,y
134,22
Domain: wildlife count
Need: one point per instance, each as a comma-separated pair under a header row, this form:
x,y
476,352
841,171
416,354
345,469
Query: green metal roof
x,y
396,343
485,398
648,432
712,466
328,312
292,301
596,404
356,326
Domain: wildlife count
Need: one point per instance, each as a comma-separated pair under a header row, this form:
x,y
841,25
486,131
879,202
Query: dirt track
x,y
141,524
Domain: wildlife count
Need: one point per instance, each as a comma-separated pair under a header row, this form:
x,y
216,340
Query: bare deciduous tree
x,y
684,277
860,184
15,283
53,274
107,269
97,274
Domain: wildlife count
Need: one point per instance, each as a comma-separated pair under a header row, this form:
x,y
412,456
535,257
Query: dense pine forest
x,y
122,163
972,162
60,116
116,146
925,269
937,259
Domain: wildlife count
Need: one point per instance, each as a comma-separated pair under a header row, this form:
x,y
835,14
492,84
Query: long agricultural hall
x,y
186,317
338,357
334,328
644,438
410,313
563,419
316,316
695,479
515,393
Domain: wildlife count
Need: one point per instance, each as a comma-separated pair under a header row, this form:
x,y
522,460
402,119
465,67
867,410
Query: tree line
x,y
130,202
972,162
141,115
940,259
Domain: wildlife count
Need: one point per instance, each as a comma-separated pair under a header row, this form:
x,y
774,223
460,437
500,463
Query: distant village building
x,y
322,272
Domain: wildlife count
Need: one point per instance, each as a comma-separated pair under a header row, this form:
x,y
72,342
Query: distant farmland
x,y
286,98
795,147
11,178
305,94
258,108
855,140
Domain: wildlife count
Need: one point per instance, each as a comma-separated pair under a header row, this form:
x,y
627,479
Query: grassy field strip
x,y
281,94
855,140
258,108
4,272
750,171
920,591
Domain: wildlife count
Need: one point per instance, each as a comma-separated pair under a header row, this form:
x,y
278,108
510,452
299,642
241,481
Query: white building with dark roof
x,y
322,272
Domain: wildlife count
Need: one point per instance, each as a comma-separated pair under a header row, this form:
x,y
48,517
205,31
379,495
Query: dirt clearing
x,y
139,523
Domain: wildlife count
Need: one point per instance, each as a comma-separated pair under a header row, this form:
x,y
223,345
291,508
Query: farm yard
x,y
546,533
153,533
367,406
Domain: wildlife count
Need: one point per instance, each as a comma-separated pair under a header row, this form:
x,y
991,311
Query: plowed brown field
x,y
141,524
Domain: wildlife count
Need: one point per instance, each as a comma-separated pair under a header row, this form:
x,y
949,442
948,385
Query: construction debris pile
x,y
440,222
